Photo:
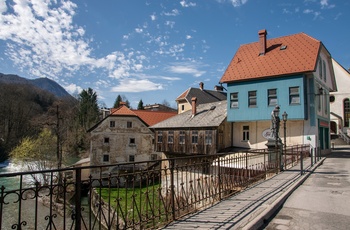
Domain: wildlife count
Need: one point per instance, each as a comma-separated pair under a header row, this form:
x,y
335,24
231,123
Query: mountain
x,y
42,83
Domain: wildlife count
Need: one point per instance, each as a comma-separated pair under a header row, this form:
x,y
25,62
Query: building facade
x,y
203,130
340,100
294,72
125,136
203,96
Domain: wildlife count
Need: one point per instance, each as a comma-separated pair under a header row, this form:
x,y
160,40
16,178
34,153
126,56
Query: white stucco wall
x,y
343,82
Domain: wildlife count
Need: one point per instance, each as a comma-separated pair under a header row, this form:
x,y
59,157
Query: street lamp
x,y
284,118
276,127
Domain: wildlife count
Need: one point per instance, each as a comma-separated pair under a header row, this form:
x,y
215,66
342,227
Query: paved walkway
x,y
250,208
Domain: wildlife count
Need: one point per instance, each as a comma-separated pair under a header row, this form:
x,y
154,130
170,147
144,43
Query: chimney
x,y
194,106
201,85
262,42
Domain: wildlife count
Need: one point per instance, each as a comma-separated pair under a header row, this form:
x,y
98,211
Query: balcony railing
x,y
139,195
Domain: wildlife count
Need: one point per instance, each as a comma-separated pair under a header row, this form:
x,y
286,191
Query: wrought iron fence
x,y
139,195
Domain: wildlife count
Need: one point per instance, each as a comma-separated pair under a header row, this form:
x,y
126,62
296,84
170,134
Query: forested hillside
x,y
26,110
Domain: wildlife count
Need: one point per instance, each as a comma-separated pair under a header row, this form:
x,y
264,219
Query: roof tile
x,y
300,56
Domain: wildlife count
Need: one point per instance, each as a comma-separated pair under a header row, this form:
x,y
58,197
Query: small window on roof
x,y
283,47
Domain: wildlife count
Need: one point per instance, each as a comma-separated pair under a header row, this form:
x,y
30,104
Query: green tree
x,y
140,105
117,102
37,153
119,99
88,108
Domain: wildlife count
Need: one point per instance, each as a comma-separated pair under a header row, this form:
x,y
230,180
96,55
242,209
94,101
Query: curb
x,y
259,221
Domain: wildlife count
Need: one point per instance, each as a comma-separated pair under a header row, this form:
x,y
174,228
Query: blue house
x,y
294,72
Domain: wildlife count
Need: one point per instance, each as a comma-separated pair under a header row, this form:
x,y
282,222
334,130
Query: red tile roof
x,y
300,56
154,117
147,116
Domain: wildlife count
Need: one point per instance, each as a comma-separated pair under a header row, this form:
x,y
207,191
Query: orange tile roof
x,y
147,116
153,117
300,56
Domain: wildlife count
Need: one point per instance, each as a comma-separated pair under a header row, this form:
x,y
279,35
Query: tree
x,y
117,102
140,105
88,108
119,99
37,153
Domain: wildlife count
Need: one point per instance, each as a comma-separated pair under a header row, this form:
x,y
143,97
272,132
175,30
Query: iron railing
x,y
139,195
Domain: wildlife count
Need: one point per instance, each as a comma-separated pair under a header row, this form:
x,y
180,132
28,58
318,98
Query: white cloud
x,y
237,3
153,17
42,39
187,4
186,68
3,7
138,30
188,36
135,86
73,89
326,5
174,12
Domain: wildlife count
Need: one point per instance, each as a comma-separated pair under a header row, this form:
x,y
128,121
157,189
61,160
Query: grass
x,y
139,205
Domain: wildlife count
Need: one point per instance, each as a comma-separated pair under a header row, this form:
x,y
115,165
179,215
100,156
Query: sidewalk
x,y
250,208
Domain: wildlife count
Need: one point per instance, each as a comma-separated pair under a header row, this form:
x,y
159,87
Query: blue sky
x,y
155,49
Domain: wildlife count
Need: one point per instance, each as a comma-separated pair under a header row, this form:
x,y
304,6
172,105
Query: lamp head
x,y
285,116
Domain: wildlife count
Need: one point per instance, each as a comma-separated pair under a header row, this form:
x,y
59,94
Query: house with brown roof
x,y
201,130
294,72
125,136
203,96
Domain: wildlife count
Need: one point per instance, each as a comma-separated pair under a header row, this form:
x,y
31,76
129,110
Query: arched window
x,y
346,107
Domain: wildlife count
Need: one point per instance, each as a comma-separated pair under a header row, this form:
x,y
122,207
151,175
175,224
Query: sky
x,y
153,50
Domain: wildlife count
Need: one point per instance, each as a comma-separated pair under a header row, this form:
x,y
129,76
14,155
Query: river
x,y
10,211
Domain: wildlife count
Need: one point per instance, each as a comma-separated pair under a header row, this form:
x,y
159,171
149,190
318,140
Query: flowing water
x,y
28,207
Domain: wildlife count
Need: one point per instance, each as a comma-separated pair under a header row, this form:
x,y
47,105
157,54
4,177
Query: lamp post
x,y
276,127
284,118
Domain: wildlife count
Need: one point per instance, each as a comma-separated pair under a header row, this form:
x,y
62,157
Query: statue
x,y
275,122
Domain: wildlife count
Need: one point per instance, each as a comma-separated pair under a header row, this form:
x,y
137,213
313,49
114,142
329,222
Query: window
x,y
346,112
105,158
182,107
294,95
159,137
171,137
106,140
245,133
234,100
272,97
252,99
132,141
194,137
320,67
182,137
131,158
331,98
112,124
129,124
208,137
324,71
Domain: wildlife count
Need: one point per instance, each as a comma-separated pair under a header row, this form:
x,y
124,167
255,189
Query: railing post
x,y
1,204
312,160
265,164
301,163
172,187
78,199
219,177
